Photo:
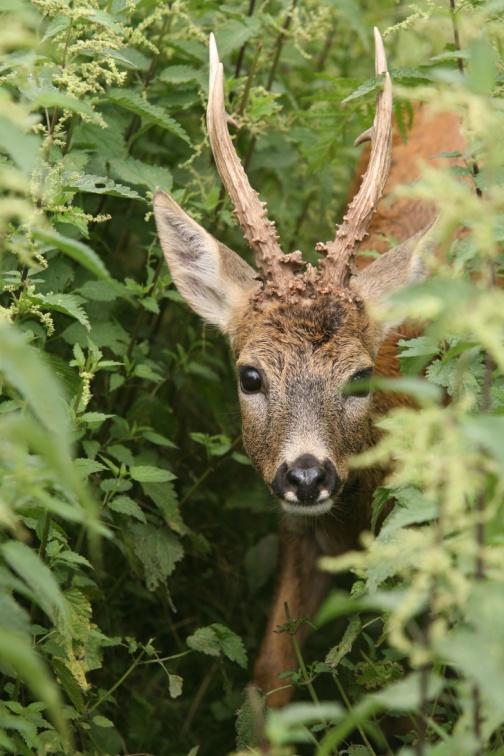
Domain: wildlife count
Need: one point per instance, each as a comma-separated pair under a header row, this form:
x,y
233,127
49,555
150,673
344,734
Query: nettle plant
x,y
123,491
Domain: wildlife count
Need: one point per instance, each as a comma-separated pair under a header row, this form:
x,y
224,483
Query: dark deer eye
x,y
358,385
250,379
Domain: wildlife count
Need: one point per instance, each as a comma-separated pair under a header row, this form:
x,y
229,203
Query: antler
x,y
335,269
259,232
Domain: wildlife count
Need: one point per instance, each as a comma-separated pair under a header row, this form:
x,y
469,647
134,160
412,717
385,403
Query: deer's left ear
x,y
398,267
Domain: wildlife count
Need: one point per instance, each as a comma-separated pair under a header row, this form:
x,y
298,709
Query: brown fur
x,y
307,351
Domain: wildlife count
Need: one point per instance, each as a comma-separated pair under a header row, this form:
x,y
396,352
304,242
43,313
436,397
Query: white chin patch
x,y
307,510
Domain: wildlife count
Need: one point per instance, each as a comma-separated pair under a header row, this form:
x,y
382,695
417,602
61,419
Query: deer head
x,y
300,334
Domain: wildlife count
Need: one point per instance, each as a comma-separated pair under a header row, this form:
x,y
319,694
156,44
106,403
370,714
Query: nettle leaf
x,y
136,172
216,445
22,148
39,578
217,639
126,506
77,250
24,368
158,550
151,114
12,615
150,474
234,33
56,99
68,304
164,497
102,185
175,683
338,652
183,75
412,508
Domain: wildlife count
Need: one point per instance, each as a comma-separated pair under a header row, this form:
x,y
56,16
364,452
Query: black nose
x,y
306,478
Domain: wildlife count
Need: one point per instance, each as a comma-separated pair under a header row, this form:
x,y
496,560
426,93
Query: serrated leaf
x,y
158,439
28,565
150,474
126,506
102,185
338,652
175,683
158,550
55,99
136,172
217,639
68,304
412,509
135,103
22,148
23,367
17,652
78,251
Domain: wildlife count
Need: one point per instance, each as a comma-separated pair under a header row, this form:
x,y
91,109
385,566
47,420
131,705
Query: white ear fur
x,y
213,279
394,269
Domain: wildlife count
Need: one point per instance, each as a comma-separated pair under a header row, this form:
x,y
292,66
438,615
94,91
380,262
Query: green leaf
x,y
487,431
158,550
17,652
411,509
27,564
205,640
158,439
338,652
78,251
68,304
126,506
22,148
102,721
23,367
481,68
136,172
183,75
55,99
232,34
150,114
217,639
150,474
175,683
102,185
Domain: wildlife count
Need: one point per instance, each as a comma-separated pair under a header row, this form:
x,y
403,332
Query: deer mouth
x,y
316,509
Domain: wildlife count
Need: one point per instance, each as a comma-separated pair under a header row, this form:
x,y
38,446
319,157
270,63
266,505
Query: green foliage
x,y
136,546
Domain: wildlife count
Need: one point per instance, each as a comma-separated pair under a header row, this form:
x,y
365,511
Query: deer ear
x,y
213,279
394,269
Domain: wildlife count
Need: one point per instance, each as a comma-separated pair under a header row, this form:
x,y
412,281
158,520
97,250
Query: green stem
x,y
119,682
349,706
300,659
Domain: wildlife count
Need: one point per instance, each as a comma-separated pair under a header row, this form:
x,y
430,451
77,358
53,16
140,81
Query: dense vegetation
x,y
137,549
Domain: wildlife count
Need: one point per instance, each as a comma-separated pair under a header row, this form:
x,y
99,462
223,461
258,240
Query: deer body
x,y
300,336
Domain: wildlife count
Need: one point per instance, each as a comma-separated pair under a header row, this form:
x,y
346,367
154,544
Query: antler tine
x,y
259,232
336,267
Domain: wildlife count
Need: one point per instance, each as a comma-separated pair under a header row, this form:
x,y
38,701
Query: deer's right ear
x,y
213,279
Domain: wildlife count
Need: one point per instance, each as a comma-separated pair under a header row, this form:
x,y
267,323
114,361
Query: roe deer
x,y
299,335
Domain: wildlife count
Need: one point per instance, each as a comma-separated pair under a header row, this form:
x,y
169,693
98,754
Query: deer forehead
x,y
314,337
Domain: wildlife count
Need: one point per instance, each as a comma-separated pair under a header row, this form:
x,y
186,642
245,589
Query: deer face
x,y
300,335
300,426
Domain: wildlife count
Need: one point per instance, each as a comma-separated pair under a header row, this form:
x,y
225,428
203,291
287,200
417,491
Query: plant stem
x,y
349,706
460,66
299,657
241,54
119,682
271,77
